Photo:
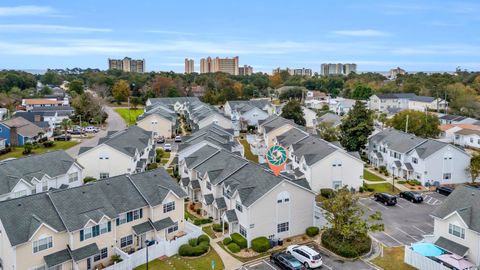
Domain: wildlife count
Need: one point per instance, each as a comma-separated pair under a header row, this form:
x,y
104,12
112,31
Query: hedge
x,y
227,240
327,193
201,221
260,244
218,227
312,231
203,238
239,240
350,249
233,247
195,247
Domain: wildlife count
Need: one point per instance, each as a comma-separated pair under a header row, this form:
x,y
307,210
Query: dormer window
x,y
238,206
456,231
44,242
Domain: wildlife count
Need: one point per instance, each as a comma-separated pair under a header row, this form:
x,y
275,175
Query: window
x,y
103,228
471,140
102,255
243,231
209,186
282,227
414,160
283,197
20,193
252,226
122,219
103,156
238,206
73,177
456,230
39,268
137,214
126,241
170,206
104,175
447,176
42,244
173,228
44,185
337,184
129,216
56,267
95,231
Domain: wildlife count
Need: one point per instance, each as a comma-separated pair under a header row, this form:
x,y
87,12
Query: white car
x,y
307,256
91,129
178,139
167,147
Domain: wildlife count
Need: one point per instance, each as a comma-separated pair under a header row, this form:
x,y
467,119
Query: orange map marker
x,y
276,158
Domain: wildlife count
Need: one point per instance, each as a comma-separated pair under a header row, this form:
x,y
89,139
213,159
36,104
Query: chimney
x,y
37,118
13,136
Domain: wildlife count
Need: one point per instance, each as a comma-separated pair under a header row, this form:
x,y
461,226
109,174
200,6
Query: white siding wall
x,y
117,163
436,165
253,116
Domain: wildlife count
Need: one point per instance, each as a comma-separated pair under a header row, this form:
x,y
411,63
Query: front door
x,y
141,240
89,263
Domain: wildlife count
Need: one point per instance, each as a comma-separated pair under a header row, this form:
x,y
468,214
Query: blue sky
x,y
433,35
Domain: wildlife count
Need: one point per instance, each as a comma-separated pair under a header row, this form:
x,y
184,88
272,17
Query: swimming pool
x,y
427,249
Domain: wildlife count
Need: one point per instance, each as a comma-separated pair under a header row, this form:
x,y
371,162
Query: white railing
x,y
161,248
421,262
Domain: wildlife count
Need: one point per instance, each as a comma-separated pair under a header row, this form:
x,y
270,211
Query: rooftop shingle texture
x,y
85,252
143,227
220,202
451,246
208,199
163,224
396,96
200,155
24,127
466,202
291,136
213,134
331,118
220,166
57,258
160,111
397,140
274,122
313,149
128,141
231,215
53,164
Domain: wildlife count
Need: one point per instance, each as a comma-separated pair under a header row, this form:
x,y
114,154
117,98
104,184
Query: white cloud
x,y
49,28
168,32
443,49
361,33
26,11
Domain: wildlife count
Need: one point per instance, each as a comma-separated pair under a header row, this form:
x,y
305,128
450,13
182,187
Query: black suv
x,y
444,190
286,261
412,196
385,198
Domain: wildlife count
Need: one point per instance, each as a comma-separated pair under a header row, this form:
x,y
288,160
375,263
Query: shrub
x,y
218,227
198,211
201,221
312,231
195,247
351,248
27,148
193,242
327,193
260,244
239,240
361,189
227,240
48,144
401,182
233,247
116,258
88,179
203,238
152,166
192,206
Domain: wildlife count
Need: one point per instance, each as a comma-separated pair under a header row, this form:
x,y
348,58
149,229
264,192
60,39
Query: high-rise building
x,y
303,72
394,72
212,65
189,66
245,70
279,70
327,69
127,64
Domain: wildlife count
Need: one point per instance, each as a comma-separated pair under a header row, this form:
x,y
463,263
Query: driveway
x,y
406,222
114,122
328,263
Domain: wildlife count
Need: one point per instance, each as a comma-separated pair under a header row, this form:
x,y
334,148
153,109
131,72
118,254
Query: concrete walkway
x,y
229,261
170,160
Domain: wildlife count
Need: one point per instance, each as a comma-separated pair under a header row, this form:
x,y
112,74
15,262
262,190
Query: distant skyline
x,y
377,35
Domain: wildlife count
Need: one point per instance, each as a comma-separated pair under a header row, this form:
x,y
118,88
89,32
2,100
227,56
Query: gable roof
x,y
396,96
291,136
53,164
214,134
313,149
274,122
246,105
469,132
335,119
465,201
220,165
24,127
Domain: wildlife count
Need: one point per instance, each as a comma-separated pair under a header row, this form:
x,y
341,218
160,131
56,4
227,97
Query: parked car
x,y
178,138
444,190
75,131
91,129
62,138
160,140
167,147
306,255
412,196
385,198
286,261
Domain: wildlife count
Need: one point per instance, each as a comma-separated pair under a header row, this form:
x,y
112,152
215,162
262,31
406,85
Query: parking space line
x,y
399,205
366,206
255,264
392,238
327,266
270,265
418,229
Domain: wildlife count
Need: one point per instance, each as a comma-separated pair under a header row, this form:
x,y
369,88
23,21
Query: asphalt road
x,y
114,122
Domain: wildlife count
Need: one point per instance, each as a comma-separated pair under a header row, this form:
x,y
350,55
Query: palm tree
x,y
66,124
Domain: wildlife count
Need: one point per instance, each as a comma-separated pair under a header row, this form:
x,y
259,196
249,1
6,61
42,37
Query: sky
x,y
419,35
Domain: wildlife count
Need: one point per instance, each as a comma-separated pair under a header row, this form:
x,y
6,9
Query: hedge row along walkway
x,y
228,260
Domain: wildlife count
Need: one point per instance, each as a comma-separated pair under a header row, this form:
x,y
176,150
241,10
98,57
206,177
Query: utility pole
x,y
128,105
406,125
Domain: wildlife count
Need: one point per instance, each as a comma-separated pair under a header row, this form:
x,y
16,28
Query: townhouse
x,y
38,173
333,119
120,152
29,104
456,232
341,106
446,119
160,120
248,111
468,138
273,126
405,101
429,161
55,114
177,104
18,131
200,115
249,197
82,227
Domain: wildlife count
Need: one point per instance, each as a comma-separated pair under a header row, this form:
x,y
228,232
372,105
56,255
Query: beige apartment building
x,y
189,66
327,69
245,70
212,65
82,227
127,64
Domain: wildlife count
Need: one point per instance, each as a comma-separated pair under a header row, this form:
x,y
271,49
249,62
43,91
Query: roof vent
x,y
19,204
83,192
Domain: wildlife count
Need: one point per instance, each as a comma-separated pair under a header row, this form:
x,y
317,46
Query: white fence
x,y
319,217
421,262
163,248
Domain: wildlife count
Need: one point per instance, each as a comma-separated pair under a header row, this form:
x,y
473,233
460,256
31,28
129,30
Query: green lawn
x,y
59,145
177,262
208,230
383,187
392,259
166,155
129,115
248,153
367,175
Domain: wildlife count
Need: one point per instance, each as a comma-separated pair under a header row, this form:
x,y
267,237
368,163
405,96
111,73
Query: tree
x,y
160,85
121,91
346,216
46,91
76,86
135,101
328,132
51,77
293,110
356,127
65,125
89,107
172,91
361,91
474,167
422,124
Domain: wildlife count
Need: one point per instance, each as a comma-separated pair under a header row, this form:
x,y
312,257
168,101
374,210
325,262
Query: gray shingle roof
x,y
208,199
397,140
409,166
24,127
330,118
429,147
57,258
163,224
160,111
220,165
143,227
466,202
185,181
128,141
313,149
451,246
195,184
274,122
85,252
220,202
53,164
214,134
291,136
200,155
231,215
396,96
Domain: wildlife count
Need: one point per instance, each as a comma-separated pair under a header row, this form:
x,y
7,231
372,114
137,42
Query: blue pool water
x,y
427,249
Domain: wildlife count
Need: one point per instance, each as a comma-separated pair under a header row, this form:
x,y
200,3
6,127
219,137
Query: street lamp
x,y
146,246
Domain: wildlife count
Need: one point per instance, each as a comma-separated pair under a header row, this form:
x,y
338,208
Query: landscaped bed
x,y
17,152
392,259
383,187
176,262
349,249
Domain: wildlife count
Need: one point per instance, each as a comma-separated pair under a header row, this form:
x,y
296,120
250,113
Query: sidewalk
x,y
228,260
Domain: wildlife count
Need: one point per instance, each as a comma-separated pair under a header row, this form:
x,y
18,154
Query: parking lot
x,y
406,222
328,263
